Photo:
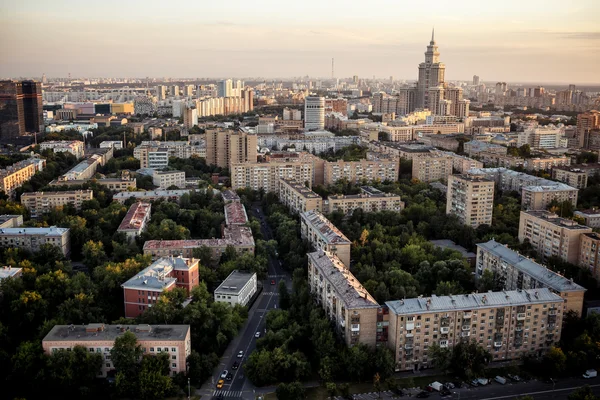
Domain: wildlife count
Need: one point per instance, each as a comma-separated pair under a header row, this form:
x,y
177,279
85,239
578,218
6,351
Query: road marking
x,y
540,392
228,393
270,294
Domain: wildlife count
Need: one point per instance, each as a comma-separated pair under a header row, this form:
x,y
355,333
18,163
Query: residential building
x,y
11,221
361,171
350,307
516,272
589,253
39,203
435,167
509,324
471,199
86,169
190,117
166,179
462,164
151,195
314,113
115,144
174,340
408,151
10,272
33,239
225,147
17,174
551,235
574,177
135,220
266,175
447,244
235,214
230,196
587,122
542,137
369,200
298,198
590,217
74,147
475,147
142,290
237,288
323,235
124,183
546,163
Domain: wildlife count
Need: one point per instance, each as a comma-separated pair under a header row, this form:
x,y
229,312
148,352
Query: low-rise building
x,y
174,340
142,290
33,239
515,271
298,197
237,288
475,147
572,176
323,235
83,171
230,196
408,151
589,253
10,221
235,214
124,183
135,220
115,144
369,200
350,307
510,324
166,179
590,217
74,147
551,235
10,272
151,195
546,163
39,203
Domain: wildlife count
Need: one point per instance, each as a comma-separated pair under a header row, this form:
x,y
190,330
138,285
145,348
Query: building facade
x,y
225,147
166,179
361,171
323,235
471,198
33,239
589,253
435,167
135,220
39,203
237,288
369,200
298,197
314,113
74,147
266,175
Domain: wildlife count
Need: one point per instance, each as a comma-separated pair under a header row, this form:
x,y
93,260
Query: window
x,y
152,349
158,349
107,365
166,349
173,349
173,357
143,349
91,349
106,349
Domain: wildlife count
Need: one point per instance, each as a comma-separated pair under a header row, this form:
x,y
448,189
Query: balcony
x,y
465,334
521,316
553,311
355,320
497,344
443,343
467,314
410,326
409,335
444,329
408,346
466,327
355,328
519,328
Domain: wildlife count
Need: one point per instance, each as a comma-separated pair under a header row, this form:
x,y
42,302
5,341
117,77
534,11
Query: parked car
x,y
398,392
590,373
422,395
240,354
235,365
220,384
474,383
483,381
437,386
515,378
224,374
272,281
500,379
449,385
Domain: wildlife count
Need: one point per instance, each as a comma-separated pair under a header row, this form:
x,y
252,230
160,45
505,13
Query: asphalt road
x,y
240,385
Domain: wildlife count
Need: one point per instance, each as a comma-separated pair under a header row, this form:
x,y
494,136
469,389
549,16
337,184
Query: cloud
x,y
579,35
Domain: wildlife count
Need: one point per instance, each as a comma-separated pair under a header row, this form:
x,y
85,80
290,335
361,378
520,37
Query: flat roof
x,y
474,301
352,292
233,235
135,216
22,231
589,212
449,244
102,332
6,217
168,172
328,231
555,219
8,272
235,214
230,195
301,189
59,193
537,271
152,193
156,276
235,282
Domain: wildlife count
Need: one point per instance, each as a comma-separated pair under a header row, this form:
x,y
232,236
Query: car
x,y
483,381
272,281
515,378
224,373
257,334
474,383
240,354
229,377
422,395
220,384
235,365
449,385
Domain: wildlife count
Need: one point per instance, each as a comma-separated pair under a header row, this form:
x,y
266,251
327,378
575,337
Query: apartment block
x,y
475,147
589,253
435,167
225,147
86,169
574,177
590,217
10,272
135,220
33,239
551,235
235,214
237,288
174,340
509,324
346,302
500,160
519,272
151,195
39,203
360,171
266,175
546,163
462,164
408,151
166,179
471,198
74,147
142,290
17,174
369,200
298,198
10,221
323,235
115,184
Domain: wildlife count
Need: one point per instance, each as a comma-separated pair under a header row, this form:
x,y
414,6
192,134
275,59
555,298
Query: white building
x,y
165,179
115,144
135,220
237,288
314,113
74,147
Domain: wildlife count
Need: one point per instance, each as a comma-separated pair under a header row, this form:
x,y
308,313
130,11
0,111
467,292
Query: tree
x,y
583,393
290,391
125,354
93,254
154,380
284,296
331,388
440,357
486,282
469,358
554,362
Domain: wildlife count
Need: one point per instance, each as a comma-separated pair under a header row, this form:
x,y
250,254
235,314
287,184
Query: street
x,y
240,386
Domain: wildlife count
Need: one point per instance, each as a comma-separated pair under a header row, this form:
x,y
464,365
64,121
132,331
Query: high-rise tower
x,y
431,73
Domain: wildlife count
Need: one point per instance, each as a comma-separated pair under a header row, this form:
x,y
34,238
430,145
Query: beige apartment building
x,y
298,198
39,203
589,253
471,198
518,272
114,184
74,147
16,175
359,171
572,176
32,239
174,340
345,301
266,175
463,164
369,200
590,217
225,147
546,163
435,167
495,159
325,236
551,235
509,324
398,133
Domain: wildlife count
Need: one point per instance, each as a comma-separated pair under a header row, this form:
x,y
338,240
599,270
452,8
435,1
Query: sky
x,y
514,41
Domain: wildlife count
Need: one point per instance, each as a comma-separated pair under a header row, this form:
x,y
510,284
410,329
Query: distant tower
x,y
44,79
332,70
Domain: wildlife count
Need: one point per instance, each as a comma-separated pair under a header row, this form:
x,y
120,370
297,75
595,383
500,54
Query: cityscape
x,y
311,216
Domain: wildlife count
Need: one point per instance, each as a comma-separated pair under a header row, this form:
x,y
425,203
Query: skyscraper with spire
x,y
431,74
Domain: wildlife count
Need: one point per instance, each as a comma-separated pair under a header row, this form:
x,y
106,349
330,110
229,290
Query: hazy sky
x,y
526,40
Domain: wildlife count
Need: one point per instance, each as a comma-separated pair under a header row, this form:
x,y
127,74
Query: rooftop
x,y
100,332
555,219
235,214
593,235
449,244
134,219
8,272
60,193
528,182
6,217
468,302
590,212
22,231
157,276
328,231
230,195
301,189
235,282
149,194
537,271
473,178
579,167
353,294
172,172
232,235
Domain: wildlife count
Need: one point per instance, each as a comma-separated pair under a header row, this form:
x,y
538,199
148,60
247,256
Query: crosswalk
x,y
227,394
270,294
